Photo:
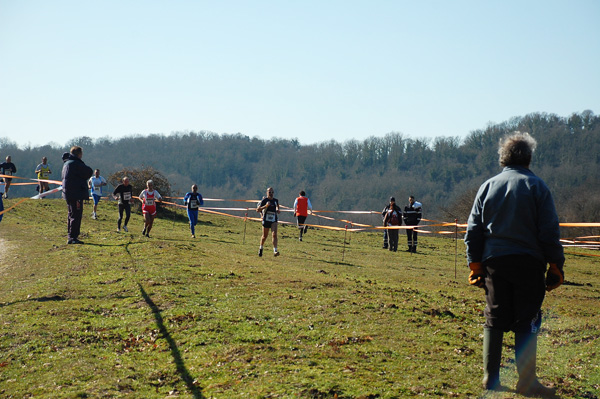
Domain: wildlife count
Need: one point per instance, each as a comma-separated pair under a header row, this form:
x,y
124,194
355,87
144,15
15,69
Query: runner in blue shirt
x,y
193,200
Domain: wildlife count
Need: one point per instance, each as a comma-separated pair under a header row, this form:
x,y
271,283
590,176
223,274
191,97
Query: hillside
x,y
125,316
354,175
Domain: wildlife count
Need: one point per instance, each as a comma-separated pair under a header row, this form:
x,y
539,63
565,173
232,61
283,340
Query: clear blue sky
x,y
312,70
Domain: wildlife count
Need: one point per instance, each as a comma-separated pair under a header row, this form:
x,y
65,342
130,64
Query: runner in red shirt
x,y
301,207
149,198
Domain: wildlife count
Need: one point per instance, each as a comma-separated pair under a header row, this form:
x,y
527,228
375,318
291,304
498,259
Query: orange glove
x,y
554,277
477,276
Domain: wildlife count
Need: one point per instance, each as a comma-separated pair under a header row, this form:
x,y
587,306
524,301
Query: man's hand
x,y
554,277
477,276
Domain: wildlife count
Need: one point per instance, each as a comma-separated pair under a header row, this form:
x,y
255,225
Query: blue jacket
x,y
75,175
514,214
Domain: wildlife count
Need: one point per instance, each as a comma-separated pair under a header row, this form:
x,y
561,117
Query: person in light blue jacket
x,y
512,234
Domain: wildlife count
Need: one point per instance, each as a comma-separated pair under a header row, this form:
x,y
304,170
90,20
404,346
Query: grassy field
x,y
125,316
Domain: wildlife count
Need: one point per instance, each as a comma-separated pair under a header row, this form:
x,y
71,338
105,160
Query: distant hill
x,y
353,175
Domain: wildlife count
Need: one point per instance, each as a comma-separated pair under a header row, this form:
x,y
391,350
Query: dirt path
x,y
5,250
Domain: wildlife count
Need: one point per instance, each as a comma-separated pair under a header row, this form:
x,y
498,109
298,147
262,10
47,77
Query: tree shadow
x,y
179,363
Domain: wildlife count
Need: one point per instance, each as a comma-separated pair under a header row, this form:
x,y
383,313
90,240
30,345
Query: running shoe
x,y
260,251
276,253
193,235
118,230
144,232
126,229
300,238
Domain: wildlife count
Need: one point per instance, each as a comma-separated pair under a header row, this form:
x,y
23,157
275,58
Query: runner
x,y
301,207
95,184
193,200
43,171
149,198
124,194
269,207
7,168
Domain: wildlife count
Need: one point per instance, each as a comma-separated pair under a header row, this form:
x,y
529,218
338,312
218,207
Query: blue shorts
x,y
96,199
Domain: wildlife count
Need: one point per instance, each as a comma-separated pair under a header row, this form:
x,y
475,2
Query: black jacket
x,y
75,175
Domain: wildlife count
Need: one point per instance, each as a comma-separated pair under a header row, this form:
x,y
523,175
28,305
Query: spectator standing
x,y
123,193
512,233
43,173
412,217
95,184
301,207
75,174
193,200
2,185
7,168
392,218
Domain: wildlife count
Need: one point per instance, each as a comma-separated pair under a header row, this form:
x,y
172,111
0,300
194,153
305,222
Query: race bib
x,y
193,204
270,217
150,201
126,196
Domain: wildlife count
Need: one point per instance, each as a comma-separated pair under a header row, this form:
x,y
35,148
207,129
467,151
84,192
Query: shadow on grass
x,y
181,369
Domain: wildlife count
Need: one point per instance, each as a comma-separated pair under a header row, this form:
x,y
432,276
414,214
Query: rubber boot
x,y
525,357
492,355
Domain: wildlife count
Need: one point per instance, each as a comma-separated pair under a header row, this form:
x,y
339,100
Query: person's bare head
x,y
77,151
516,148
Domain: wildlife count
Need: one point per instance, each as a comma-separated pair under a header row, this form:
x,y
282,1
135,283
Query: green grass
x,y
130,317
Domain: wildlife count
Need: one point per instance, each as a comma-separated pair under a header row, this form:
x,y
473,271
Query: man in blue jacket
x,y
512,233
75,175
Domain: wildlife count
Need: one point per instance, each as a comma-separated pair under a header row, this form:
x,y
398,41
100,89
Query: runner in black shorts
x,y
269,207
124,194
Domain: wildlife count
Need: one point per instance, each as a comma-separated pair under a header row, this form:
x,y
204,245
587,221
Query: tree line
x,y
443,173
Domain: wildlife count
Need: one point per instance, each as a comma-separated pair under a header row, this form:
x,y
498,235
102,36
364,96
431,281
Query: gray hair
x,y
516,148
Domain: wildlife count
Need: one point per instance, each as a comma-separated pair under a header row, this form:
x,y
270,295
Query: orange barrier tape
x,y
8,209
578,253
579,224
26,178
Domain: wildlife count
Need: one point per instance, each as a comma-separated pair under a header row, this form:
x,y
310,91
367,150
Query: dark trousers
x,y
392,235
300,223
127,208
75,213
515,288
385,238
411,236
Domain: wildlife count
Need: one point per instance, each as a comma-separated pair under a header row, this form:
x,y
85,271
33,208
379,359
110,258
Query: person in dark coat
x,y
75,175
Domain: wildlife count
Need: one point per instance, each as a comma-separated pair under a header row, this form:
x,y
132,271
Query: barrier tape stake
x,y
350,237
344,250
245,220
455,246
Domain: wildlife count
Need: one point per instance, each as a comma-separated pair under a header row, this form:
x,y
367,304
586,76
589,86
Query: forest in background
x,y
443,173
